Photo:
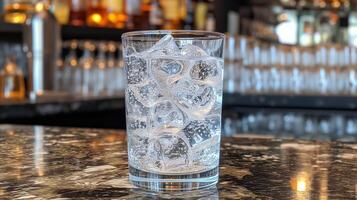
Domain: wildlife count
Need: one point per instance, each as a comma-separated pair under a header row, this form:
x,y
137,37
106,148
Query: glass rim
x,y
195,34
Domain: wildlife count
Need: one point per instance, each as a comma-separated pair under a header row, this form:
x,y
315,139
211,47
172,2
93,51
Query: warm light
x,y
336,4
16,6
17,18
301,185
40,7
97,18
73,62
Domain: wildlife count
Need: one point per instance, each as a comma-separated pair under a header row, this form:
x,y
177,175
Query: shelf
x,y
347,103
13,32
316,9
26,109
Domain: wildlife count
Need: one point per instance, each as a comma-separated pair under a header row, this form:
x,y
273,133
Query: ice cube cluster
x,y
173,105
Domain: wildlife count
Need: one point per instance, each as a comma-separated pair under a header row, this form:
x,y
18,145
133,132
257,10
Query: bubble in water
x,y
136,69
166,46
190,50
147,93
195,99
167,152
167,115
206,71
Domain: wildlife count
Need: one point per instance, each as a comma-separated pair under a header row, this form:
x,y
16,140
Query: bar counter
x,y
66,163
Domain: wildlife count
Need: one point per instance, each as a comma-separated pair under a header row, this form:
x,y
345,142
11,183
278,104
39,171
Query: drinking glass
x,y
173,108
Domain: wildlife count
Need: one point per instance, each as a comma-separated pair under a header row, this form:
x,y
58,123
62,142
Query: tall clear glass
x,y
173,108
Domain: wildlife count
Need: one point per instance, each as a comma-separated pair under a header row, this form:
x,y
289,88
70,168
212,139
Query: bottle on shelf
x,y
156,16
133,12
116,13
12,84
78,12
97,13
145,8
17,11
201,10
187,16
151,15
171,10
60,9
210,18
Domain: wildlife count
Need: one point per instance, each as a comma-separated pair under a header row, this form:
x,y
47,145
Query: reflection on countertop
x,y
48,163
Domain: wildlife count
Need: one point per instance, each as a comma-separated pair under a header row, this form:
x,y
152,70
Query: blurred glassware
x,y
12,83
258,67
321,126
100,65
86,63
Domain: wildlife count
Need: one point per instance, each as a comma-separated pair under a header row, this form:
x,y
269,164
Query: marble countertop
x,y
65,163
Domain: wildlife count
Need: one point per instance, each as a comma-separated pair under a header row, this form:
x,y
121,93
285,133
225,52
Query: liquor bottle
x,y
156,16
12,84
60,9
187,14
133,12
145,8
17,11
201,14
171,12
77,15
210,19
97,13
116,13
151,15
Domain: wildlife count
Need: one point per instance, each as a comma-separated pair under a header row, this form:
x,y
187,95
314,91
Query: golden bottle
x,y
61,10
12,84
97,13
116,13
171,13
17,11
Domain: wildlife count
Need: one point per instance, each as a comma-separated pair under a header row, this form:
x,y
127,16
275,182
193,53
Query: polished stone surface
x,y
58,163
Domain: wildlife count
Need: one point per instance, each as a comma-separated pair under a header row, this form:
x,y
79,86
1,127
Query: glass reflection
x,y
38,150
206,194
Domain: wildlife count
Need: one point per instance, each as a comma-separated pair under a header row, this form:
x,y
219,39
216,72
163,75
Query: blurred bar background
x,y
290,65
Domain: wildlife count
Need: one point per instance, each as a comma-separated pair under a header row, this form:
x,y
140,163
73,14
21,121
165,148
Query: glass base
x,y
160,182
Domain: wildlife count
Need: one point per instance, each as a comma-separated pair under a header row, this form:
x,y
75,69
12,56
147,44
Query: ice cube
x,y
207,153
133,106
190,50
166,70
167,115
197,131
129,51
167,152
138,149
136,69
171,68
193,98
207,71
166,46
147,93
